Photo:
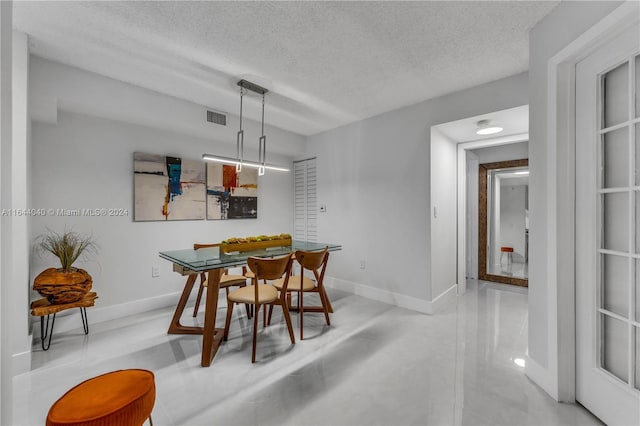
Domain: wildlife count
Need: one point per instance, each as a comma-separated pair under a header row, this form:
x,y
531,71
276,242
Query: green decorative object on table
x,y
254,243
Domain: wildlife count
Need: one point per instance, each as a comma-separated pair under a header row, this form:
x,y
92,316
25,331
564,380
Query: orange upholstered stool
x,y
119,398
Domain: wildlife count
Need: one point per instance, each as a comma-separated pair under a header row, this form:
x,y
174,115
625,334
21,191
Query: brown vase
x,y
61,287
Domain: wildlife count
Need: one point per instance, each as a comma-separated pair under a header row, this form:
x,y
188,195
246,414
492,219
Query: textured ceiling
x,y
327,63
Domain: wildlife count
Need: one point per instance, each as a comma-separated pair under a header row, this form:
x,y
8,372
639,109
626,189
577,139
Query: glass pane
x,y
637,359
636,195
615,221
636,282
615,89
637,88
615,344
615,158
615,284
637,168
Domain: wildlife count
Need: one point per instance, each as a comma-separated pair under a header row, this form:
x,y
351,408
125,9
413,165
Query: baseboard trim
x,y
541,377
21,362
392,298
446,297
70,319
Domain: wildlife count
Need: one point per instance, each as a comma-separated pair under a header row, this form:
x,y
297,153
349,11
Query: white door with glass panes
x,y
608,230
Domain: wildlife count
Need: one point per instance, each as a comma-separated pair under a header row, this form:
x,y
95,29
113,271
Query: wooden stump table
x,y
42,307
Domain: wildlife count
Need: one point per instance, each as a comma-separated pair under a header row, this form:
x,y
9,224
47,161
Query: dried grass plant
x,y
67,246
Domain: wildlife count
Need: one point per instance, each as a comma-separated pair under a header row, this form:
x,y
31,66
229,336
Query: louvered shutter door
x,y
305,201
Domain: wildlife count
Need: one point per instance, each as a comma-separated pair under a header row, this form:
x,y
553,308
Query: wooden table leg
x,y
175,327
326,297
212,336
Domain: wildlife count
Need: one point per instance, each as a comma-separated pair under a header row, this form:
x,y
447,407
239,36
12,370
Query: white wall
x,y
6,303
375,178
563,25
55,87
14,250
512,230
443,212
85,161
472,163
493,154
20,317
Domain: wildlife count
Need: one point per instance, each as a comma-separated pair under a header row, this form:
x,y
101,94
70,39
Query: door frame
x,y
560,378
462,147
483,219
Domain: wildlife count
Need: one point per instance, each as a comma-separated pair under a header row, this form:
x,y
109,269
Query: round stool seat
x,y
122,398
506,249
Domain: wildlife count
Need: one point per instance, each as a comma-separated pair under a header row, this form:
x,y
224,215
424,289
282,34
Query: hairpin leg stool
x,y
42,308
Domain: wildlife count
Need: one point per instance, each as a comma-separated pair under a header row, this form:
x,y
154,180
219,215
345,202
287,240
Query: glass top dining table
x,y
210,260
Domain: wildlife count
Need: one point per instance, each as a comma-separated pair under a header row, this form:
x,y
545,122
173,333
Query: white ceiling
x,y
327,63
510,178
514,121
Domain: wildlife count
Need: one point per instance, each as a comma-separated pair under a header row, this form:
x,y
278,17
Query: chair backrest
x,y
315,261
270,269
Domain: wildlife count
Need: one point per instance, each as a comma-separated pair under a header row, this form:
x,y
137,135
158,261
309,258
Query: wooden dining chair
x,y
314,263
226,281
261,295
247,273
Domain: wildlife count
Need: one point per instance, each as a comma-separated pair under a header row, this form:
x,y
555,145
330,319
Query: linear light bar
x,y
236,161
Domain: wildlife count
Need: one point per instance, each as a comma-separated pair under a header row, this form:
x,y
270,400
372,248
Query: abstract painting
x,y
231,195
168,188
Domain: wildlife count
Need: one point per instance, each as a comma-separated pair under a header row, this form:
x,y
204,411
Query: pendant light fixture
x,y
262,145
239,161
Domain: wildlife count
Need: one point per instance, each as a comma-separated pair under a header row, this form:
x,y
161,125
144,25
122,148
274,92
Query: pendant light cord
x,y
263,114
242,92
240,137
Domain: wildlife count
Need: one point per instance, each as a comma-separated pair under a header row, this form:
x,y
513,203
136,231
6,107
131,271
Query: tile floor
x,y
514,270
376,365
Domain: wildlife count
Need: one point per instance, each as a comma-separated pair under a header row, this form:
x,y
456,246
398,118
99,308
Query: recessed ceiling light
x,y
484,127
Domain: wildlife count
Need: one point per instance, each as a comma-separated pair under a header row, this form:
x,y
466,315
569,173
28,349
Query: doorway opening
x,y
472,150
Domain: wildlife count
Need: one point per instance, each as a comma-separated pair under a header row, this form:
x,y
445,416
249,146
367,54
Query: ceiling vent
x,y
217,117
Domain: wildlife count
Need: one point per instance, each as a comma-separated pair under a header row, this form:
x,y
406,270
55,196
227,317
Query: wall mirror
x,y
503,222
